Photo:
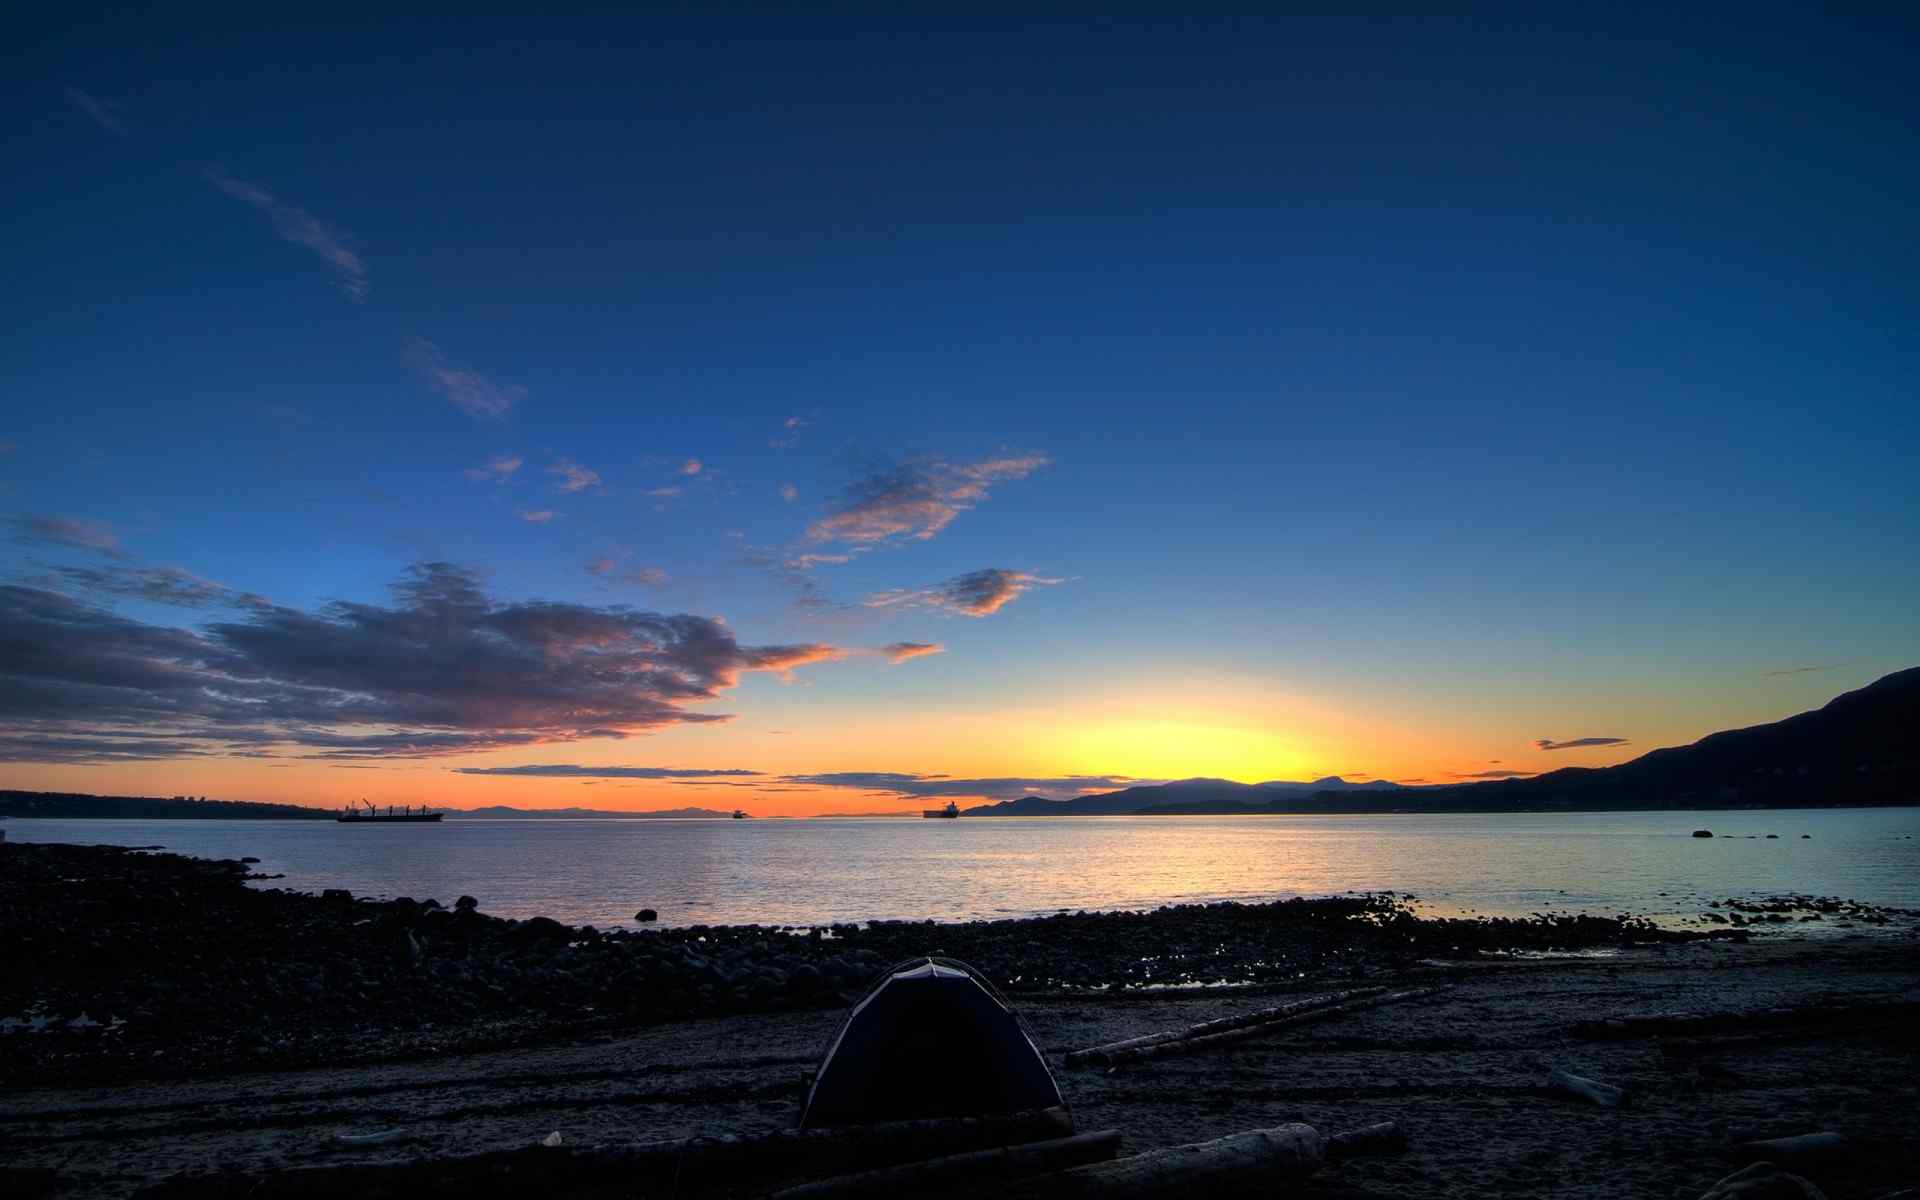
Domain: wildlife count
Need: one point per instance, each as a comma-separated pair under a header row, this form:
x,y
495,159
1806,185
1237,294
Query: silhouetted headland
x,y
71,805
1859,750
68,805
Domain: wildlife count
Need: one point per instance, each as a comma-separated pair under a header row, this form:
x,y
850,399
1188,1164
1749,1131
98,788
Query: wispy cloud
x,y
1578,743
443,669
1804,670
158,585
792,572
538,516
607,566
73,532
900,652
467,390
499,469
302,228
789,493
570,476
975,594
915,501
1497,775
895,783
692,466
789,435
570,771
662,493
105,113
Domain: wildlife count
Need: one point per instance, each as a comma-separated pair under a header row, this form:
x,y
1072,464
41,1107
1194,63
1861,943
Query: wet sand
x,y
1463,1074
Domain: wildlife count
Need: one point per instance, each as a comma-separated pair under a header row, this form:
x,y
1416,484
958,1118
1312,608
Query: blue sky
x,y
1445,374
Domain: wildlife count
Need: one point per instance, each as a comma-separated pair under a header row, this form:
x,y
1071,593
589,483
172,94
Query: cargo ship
x,y
951,810
391,815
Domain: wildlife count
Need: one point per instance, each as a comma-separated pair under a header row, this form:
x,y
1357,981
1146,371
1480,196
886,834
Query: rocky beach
x,y
165,1014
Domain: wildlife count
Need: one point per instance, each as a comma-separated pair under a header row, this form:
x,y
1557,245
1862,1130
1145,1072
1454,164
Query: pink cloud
x,y
302,228
469,391
498,469
975,594
572,476
915,501
900,652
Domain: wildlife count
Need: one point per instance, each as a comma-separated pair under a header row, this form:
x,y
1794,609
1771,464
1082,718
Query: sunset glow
x,y
423,439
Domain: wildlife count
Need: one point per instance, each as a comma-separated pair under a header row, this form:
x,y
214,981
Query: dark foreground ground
x,y
1462,1073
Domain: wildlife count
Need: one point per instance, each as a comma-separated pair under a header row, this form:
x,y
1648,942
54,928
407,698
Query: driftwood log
x,y
1382,1137
1210,1041
1591,1090
1699,1024
1801,1147
974,1170
1094,1055
685,1167
382,1138
1256,1160
1764,1181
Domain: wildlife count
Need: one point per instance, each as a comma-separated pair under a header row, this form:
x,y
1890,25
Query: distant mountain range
x,y
502,811
1860,749
1183,796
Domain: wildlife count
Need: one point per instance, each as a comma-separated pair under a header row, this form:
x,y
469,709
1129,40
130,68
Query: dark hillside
x,y
79,804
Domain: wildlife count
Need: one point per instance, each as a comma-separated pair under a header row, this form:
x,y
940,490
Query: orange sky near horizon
x,y
1219,729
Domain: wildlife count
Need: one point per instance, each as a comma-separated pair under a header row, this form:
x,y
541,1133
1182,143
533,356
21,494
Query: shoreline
x,y
133,963
256,1073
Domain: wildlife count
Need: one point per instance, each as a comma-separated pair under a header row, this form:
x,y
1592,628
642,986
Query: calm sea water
x,y
812,872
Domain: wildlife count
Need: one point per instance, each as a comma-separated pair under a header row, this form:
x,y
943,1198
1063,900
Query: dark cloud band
x,y
570,771
442,670
1578,743
894,783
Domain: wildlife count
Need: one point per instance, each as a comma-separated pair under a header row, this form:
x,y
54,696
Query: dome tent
x,y
931,1038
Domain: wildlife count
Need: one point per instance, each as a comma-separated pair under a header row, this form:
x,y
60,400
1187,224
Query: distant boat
x,y
951,810
372,816
739,814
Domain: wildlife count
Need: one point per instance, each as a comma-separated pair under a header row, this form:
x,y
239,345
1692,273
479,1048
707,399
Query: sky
x,y
825,411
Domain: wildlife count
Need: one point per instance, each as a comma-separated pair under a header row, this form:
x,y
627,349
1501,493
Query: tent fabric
x,y
932,1038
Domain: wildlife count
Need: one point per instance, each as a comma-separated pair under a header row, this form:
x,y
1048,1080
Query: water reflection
x,y
813,872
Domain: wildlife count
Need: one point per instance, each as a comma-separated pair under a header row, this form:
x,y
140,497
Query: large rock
x,y
1763,1181
540,929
